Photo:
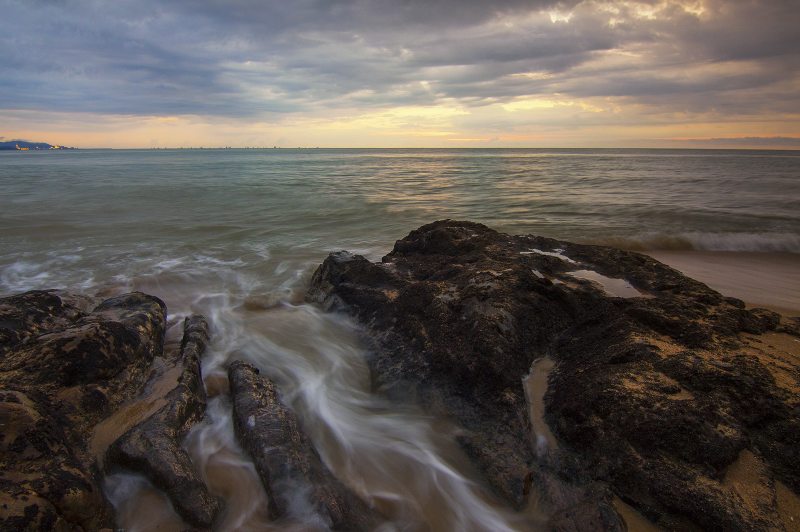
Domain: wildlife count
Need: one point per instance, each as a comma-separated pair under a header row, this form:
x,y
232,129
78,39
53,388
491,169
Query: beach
x,y
235,235
759,279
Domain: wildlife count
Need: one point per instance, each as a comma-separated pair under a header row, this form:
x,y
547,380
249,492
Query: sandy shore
x,y
769,280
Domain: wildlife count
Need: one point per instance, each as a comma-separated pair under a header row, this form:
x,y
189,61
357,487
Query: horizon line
x,y
223,148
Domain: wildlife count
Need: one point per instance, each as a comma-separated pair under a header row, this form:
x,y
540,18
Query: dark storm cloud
x,y
246,57
369,16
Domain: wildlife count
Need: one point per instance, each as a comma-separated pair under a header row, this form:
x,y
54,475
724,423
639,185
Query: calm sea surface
x,y
235,235
80,218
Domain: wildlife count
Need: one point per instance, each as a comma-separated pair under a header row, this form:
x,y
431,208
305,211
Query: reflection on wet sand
x,y
760,279
535,389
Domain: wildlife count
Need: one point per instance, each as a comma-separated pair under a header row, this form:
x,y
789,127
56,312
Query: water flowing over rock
x,y
655,400
300,487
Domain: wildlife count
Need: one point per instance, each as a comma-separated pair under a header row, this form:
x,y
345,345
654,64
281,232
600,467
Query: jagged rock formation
x,y
285,459
657,400
67,368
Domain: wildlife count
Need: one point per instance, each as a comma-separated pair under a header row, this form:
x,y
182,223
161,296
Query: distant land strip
x,y
24,145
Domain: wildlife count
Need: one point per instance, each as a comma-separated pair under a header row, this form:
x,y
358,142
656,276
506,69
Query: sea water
x,y
236,234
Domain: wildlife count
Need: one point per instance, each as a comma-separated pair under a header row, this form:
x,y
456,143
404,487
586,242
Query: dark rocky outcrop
x,y
67,368
62,370
655,400
285,459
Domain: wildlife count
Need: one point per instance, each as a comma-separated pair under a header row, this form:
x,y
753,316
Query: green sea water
x,y
80,218
236,234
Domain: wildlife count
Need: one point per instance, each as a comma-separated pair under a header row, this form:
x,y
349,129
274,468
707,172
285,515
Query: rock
x,y
76,381
25,315
153,446
61,371
653,398
85,356
286,461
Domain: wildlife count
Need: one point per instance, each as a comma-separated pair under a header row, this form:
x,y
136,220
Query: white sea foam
x,y
168,264
24,275
227,469
376,446
709,241
140,506
558,253
393,455
45,272
262,249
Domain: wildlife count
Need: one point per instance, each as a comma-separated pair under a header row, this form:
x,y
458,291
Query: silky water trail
x,y
404,462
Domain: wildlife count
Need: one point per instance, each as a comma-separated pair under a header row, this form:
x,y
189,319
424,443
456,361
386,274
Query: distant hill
x,y
13,144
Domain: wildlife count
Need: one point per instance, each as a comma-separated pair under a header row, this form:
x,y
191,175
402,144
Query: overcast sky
x,y
401,73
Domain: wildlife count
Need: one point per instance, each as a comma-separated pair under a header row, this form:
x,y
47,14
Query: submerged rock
x,y
298,484
653,398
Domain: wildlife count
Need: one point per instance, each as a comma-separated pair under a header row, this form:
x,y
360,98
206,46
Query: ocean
x,y
236,234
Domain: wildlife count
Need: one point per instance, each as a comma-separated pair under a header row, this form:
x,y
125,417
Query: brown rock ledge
x,y
62,370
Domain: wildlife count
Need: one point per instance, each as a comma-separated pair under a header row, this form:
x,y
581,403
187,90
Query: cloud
x,y
788,142
275,61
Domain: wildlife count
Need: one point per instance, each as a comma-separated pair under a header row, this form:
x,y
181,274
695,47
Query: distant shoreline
x,y
440,149
24,145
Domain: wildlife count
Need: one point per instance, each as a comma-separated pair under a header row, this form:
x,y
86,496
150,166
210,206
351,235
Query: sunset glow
x,y
539,73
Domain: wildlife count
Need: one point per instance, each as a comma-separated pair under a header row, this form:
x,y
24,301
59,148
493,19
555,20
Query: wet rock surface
x,y
654,400
61,371
68,366
153,447
298,484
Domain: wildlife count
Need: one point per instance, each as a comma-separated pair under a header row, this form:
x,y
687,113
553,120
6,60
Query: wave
x,y
702,241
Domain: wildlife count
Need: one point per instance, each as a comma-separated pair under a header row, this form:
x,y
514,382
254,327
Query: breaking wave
x,y
700,241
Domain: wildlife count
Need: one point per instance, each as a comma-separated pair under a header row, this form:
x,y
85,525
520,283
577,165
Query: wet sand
x,y
769,280
535,384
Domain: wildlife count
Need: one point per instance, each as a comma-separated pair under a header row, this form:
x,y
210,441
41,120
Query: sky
x,y
401,73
